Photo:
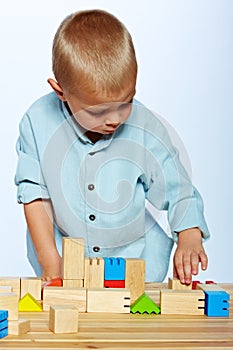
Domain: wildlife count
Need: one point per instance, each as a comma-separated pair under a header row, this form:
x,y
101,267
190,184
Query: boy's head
x,y
93,55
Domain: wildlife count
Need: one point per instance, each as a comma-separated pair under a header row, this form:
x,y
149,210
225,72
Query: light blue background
x,y
185,56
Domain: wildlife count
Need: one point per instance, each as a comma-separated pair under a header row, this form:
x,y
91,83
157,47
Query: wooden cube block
x,y
9,302
181,302
114,300
63,319
31,285
73,283
174,283
14,282
64,296
19,327
135,277
94,273
73,258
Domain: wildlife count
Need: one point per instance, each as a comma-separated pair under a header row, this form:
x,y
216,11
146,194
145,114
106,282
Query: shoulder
x,y
49,103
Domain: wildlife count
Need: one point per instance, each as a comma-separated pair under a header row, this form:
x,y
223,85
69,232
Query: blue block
x,y
3,333
3,314
217,303
3,324
114,269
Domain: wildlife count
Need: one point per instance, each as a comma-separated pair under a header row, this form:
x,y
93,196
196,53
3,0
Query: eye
x,y
95,114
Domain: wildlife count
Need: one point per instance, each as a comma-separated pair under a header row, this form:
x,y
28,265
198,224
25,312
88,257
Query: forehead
x,y
87,99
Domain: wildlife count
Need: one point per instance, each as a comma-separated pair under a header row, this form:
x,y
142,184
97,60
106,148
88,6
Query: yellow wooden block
x,y
6,289
72,258
9,301
114,300
135,277
174,283
181,302
28,303
31,285
73,283
19,327
94,273
64,296
14,282
63,319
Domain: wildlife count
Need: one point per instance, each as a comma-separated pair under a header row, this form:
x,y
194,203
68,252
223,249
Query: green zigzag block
x,y
144,304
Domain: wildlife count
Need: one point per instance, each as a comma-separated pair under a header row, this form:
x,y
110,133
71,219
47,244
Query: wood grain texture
x,y
114,300
64,296
94,273
31,285
174,283
14,282
63,319
181,302
19,327
135,277
127,331
72,258
9,301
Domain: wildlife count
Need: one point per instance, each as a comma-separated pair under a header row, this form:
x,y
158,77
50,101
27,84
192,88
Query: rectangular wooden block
x,y
19,327
14,282
63,319
64,296
73,283
6,289
135,277
31,285
72,258
9,302
181,302
174,283
209,287
94,273
112,300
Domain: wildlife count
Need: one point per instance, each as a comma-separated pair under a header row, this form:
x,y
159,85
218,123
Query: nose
x,y
113,120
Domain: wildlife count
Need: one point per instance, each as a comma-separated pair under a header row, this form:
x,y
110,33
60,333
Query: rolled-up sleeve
x,y
171,189
28,177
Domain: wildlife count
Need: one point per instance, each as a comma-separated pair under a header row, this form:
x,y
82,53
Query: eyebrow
x,y
96,112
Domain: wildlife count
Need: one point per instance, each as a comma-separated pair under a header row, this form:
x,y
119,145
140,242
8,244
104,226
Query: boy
x,y
90,155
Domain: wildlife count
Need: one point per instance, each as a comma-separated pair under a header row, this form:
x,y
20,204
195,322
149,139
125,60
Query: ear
x,y
57,88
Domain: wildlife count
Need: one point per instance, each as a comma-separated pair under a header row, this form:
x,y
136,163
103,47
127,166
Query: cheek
x,y
88,122
124,113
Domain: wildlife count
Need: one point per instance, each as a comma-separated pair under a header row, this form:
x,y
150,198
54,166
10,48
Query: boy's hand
x,y
188,254
51,268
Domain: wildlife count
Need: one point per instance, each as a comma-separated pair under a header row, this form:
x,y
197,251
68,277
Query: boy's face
x,y
102,115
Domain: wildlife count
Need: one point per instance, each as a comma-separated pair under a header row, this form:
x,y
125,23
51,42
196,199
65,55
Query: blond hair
x,y
93,51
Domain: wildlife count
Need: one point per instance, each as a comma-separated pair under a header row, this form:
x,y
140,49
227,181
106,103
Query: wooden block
x,y
65,296
175,284
135,277
94,273
14,282
72,258
108,300
63,319
31,285
181,302
19,327
73,283
9,302
6,289
210,287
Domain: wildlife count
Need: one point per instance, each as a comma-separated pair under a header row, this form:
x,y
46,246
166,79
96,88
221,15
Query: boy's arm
x,y
189,254
39,217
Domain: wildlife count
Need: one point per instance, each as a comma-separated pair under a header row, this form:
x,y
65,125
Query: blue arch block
x,y
114,269
217,303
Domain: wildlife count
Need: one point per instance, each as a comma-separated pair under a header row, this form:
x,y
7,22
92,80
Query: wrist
x,y
191,233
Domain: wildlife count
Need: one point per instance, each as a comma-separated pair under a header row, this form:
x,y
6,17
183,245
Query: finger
x,y
187,268
194,263
204,260
178,264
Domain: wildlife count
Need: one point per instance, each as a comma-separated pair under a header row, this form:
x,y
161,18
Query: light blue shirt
x,y
99,190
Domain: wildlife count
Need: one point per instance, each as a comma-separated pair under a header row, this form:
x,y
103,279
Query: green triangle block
x,y
144,304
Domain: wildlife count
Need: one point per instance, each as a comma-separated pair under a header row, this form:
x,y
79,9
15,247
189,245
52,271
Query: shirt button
x,y
91,187
92,217
96,249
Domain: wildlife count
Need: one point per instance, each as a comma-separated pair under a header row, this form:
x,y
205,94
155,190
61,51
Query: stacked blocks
x,y
114,272
3,323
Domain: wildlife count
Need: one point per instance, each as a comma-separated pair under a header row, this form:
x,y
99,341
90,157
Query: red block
x,y
210,282
56,282
114,284
194,284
